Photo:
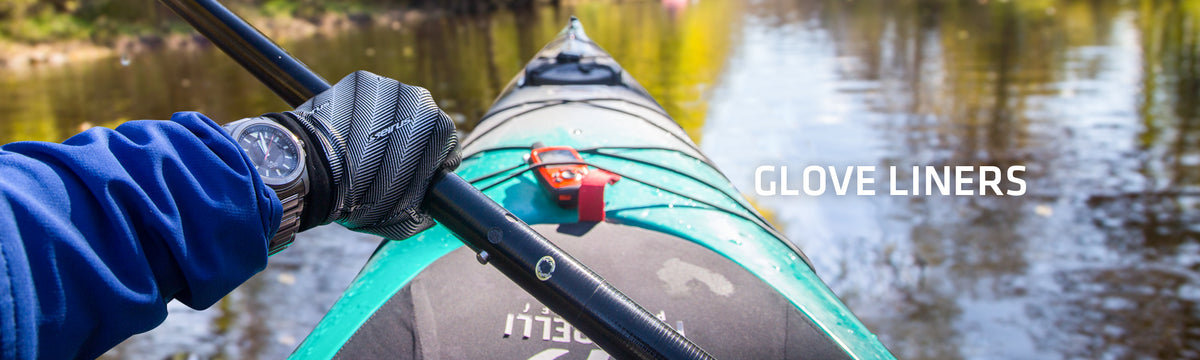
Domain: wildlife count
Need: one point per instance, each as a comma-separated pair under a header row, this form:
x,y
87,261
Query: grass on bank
x,y
104,21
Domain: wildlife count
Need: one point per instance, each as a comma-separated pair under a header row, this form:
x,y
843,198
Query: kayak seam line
x,y
616,156
643,182
595,149
690,176
491,114
546,105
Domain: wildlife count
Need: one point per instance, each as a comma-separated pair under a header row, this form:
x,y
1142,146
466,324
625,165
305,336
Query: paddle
x,y
614,322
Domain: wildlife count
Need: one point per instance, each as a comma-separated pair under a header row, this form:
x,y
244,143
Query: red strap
x,y
591,194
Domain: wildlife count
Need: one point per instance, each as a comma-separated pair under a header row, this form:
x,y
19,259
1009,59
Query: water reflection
x,y
1098,99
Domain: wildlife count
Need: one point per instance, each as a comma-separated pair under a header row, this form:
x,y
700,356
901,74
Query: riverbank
x,y
17,56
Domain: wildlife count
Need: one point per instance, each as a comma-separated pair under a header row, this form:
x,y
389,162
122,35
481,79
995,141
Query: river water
x,y
1097,99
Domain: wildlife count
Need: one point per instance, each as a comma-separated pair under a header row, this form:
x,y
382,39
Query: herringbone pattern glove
x,y
383,140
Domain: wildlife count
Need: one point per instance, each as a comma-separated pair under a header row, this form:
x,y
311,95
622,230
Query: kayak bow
x,y
677,237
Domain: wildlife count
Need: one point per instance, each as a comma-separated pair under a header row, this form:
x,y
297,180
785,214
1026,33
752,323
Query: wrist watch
x,y
278,156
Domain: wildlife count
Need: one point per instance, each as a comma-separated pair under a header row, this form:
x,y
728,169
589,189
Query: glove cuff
x,y
319,201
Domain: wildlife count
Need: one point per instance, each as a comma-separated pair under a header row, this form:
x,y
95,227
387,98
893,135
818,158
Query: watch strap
x,y
292,198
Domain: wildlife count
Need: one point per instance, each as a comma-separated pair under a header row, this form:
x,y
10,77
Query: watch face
x,y
275,153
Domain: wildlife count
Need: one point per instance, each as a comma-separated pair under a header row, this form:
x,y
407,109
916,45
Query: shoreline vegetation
x,y
45,33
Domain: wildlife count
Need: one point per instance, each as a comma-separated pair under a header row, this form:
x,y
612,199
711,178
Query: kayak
x,y
575,147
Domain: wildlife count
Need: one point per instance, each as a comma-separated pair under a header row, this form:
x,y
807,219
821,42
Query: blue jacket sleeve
x,y
98,233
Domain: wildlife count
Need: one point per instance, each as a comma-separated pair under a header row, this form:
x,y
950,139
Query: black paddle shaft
x,y
279,71
619,325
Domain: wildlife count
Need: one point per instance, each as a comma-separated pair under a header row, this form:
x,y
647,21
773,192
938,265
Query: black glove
x,y
378,142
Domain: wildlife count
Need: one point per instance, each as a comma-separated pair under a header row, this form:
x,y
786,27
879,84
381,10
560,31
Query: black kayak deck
x,y
459,309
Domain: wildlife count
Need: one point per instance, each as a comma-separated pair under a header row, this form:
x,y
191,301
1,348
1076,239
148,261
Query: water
x,y
1098,99
1098,260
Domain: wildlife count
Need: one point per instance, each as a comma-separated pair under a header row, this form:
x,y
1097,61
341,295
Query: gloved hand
x,y
380,142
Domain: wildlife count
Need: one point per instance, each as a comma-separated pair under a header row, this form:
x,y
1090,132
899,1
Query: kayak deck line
x,y
493,112
526,167
480,133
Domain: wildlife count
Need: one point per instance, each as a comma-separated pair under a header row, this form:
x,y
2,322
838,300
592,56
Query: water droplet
x,y
126,59
736,242
576,132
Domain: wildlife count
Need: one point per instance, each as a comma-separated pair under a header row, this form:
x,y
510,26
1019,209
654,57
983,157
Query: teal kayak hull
x,y
668,186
